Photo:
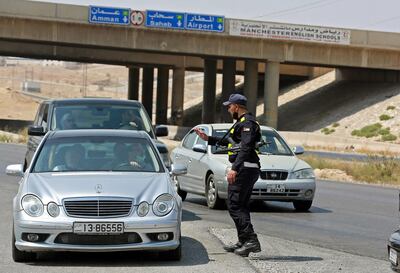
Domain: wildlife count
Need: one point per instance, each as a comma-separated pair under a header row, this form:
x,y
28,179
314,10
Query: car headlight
x,y
143,209
303,174
163,204
53,209
166,160
32,205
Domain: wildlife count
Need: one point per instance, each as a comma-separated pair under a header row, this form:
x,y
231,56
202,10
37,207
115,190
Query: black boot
x,y
252,245
233,247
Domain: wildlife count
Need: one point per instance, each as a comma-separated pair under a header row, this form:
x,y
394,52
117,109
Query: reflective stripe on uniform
x,y
250,165
230,145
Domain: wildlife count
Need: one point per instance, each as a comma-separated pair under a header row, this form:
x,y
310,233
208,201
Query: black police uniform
x,y
245,132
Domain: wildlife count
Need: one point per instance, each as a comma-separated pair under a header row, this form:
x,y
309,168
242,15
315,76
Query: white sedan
x,y
284,177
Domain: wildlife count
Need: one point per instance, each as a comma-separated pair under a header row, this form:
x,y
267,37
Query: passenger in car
x,y
138,157
120,157
73,159
129,121
67,122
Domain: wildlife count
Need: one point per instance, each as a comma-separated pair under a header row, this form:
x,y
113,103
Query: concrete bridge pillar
x,y
209,92
251,84
228,85
178,87
133,83
162,95
271,93
147,90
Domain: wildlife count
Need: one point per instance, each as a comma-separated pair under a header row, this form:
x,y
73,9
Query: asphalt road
x,y
351,218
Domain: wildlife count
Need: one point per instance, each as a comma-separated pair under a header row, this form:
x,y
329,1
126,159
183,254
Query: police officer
x,y
243,174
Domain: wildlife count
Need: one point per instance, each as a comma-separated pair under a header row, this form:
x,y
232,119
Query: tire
x,y
302,205
172,255
213,201
21,256
180,192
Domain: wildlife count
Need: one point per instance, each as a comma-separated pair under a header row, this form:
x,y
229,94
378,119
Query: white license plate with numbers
x,y
275,188
393,256
98,228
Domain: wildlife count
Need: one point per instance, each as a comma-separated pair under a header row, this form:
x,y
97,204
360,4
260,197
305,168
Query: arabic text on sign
x,y
109,15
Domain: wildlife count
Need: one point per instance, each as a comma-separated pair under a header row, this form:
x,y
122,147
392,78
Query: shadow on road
x,y
189,216
193,253
281,207
285,258
262,206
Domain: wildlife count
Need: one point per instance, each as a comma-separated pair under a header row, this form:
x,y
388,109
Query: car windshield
x,y
274,143
97,153
100,116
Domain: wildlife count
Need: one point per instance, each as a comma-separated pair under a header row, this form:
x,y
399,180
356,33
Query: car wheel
x,y
213,201
172,255
21,256
180,192
302,205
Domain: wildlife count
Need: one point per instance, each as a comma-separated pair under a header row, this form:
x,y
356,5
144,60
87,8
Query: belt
x,y
250,165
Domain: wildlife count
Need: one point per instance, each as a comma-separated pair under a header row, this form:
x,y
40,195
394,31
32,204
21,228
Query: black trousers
x,y
239,194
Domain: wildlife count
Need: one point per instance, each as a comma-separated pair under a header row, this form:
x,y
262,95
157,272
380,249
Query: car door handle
x,y
190,161
177,156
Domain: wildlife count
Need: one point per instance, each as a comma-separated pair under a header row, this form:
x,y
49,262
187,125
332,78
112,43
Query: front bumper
x,y
54,227
293,190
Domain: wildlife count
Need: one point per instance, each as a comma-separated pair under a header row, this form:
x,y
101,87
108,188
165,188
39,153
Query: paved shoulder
x,y
280,255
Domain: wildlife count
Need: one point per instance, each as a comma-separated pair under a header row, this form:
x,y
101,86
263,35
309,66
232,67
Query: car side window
x,y
200,140
39,116
189,140
44,116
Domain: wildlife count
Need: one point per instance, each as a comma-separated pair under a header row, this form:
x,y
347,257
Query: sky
x,y
380,15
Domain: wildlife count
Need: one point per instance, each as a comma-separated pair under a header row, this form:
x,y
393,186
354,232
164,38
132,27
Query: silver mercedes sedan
x,y
96,190
284,177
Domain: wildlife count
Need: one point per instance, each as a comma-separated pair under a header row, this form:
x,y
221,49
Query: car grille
x,y
287,193
273,175
75,239
98,207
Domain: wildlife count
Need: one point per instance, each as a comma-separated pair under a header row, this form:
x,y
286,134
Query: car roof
x,y
80,101
225,126
97,132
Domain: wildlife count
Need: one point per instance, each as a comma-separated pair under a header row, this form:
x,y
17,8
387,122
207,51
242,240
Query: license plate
x,y
275,188
98,228
393,256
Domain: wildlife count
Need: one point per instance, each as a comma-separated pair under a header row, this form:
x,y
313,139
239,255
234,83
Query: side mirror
x,y
36,131
200,148
161,130
178,169
298,150
15,170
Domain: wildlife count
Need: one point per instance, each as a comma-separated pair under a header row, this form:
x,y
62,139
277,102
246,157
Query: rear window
x,y
99,116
